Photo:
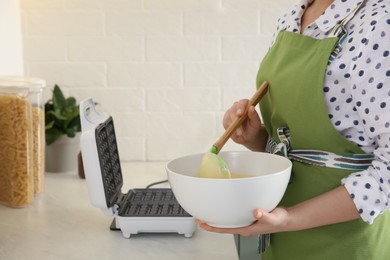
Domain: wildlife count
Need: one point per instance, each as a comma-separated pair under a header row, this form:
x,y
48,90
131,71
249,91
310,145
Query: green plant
x,y
61,116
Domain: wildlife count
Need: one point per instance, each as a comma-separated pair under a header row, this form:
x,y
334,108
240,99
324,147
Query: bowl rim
x,y
229,179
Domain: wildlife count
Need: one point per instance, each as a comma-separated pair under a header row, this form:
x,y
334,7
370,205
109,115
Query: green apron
x,y
295,68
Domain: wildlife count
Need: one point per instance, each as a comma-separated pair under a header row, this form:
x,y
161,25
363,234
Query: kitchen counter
x,y
62,224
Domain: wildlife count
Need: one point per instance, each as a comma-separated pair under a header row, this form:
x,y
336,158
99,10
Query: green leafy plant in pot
x,y
62,120
61,116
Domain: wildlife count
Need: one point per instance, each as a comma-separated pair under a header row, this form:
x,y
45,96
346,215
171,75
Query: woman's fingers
x,y
248,132
254,118
264,222
206,227
234,111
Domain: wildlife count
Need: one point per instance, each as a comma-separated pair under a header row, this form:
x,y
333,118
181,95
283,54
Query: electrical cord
x,y
156,183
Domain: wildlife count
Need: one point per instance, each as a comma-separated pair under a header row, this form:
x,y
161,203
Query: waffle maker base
x,y
152,211
137,211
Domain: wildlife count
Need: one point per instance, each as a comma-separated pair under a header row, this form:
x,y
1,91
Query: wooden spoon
x,y
212,166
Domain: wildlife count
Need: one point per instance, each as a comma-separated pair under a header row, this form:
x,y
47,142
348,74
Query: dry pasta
x,y
38,129
16,178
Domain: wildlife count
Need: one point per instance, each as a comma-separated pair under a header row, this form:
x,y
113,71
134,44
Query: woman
x,y
329,98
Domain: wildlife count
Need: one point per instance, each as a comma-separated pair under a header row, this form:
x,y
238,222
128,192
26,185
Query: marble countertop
x,y
62,224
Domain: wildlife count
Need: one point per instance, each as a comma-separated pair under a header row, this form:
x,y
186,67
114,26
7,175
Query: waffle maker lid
x,y
109,162
100,157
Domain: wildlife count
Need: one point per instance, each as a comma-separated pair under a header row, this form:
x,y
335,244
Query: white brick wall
x,y
165,69
11,39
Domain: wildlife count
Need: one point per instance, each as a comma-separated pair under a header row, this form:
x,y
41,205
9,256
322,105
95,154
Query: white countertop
x,y
62,224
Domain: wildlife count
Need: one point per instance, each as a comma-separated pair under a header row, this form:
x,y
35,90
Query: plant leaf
x,y
71,102
49,125
51,135
57,115
59,101
75,124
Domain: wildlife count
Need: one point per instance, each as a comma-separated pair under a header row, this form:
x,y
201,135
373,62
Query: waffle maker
x,y
142,210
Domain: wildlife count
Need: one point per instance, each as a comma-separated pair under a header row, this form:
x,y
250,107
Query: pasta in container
x,y
38,130
16,144
36,87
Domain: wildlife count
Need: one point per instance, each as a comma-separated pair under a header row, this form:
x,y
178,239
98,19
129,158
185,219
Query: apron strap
x,y
264,241
340,32
339,29
317,157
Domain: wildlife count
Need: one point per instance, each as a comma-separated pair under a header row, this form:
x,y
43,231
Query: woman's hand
x,y
251,133
265,222
334,206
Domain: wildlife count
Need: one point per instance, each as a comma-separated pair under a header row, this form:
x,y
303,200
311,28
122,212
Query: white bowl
x,y
230,202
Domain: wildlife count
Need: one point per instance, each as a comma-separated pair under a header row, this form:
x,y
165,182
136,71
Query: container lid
x,y
10,86
33,83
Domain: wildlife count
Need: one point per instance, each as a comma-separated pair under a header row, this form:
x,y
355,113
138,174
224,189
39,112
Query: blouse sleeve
x,y
370,83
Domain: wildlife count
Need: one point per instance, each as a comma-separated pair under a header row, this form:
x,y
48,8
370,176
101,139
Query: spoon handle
x,y
261,91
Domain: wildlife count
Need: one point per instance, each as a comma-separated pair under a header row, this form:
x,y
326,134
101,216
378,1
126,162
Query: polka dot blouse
x,y
357,91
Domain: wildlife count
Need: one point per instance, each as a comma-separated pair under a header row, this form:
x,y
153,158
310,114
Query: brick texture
x,y
165,69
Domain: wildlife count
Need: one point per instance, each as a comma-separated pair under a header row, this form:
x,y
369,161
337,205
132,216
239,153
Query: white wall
x,y
165,69
11,61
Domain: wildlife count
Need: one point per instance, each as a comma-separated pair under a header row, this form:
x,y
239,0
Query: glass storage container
x,y
35,96
16,144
